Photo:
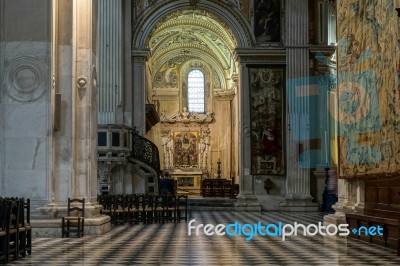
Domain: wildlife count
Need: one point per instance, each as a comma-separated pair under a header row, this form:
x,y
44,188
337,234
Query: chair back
x,y
3,214
76,207
14,215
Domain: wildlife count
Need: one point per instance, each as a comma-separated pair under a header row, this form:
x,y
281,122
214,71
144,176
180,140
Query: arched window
x,y
195,91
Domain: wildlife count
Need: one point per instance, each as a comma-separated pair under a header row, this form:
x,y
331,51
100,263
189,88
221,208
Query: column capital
x,y
140,55
270,55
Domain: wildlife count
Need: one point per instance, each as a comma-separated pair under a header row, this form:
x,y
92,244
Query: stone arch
x,y
239,26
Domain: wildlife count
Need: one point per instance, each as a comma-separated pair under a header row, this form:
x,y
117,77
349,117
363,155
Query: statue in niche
x,y
204,148
167,148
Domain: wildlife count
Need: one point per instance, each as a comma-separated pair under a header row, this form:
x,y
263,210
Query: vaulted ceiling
x,y
193,35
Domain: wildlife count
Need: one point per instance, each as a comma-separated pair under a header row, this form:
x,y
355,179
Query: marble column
x,y
297,196
139,59
75,172
351,199
246,200
84,113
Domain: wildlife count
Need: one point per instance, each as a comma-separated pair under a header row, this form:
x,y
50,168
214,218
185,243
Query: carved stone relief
x,y
186,117
26,79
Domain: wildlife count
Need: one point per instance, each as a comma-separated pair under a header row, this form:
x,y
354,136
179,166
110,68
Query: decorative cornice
x,y
139,55
187,117
261,55
371,177
224,95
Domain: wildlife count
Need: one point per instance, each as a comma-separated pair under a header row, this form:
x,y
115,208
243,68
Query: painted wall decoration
x,y
369,132
186,149
167,76
267,27
266,112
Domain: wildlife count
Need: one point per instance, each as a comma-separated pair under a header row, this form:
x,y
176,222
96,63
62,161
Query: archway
x,y
180,37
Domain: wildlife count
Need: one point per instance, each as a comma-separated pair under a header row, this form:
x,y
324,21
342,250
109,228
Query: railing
x,y
145,151
119,144
113,141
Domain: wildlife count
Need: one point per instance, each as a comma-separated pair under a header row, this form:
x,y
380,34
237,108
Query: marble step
x,y
220,204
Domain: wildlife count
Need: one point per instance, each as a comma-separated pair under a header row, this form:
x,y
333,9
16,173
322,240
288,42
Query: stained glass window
x,y
196,91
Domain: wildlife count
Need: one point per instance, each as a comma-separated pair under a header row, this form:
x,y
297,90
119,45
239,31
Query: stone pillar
x,y
351,199
139,58
297,196
127,62
75,145
246,200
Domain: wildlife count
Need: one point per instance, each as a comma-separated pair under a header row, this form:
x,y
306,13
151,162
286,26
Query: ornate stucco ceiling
x,y
193,35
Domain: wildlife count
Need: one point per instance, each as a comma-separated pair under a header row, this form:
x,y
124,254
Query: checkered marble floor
x,y
169,244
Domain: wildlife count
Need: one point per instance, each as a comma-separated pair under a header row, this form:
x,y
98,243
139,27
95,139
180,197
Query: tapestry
x,y
368,98
266,114
185,149
267,20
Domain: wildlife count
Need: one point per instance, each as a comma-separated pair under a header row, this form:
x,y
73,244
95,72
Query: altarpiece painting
x,y
267,114
185,149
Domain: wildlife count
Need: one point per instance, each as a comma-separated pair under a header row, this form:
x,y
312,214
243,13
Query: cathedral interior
x,y
259,110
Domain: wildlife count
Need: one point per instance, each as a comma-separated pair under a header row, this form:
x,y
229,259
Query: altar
x,y
189,181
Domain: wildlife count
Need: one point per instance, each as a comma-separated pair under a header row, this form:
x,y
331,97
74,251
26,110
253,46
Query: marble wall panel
x,y
26,183
25,102
26,20
25,120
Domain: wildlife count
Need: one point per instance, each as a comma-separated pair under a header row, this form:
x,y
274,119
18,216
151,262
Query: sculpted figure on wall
x,y
167,149
204,148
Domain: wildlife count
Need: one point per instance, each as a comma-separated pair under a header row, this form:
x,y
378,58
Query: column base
x,y
247,203
299,205
335,218
52,228
46,221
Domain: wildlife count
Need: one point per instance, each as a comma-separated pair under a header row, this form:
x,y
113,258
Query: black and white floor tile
x,y
169,244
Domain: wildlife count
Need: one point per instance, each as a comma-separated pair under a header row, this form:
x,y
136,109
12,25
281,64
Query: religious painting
x,y
185,149
267,114
267,26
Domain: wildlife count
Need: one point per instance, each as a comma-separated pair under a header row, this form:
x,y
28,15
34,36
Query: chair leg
x,y
63,227
29,241
79,227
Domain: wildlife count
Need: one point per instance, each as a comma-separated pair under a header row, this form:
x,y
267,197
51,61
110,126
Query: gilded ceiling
x,y
188,35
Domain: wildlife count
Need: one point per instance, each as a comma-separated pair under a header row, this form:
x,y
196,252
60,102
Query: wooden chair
x,y
107,201
74,222
181,208
24,228
150,209
119,207
228,188
167,213
3,232
207,188
134,209
12,229
27,224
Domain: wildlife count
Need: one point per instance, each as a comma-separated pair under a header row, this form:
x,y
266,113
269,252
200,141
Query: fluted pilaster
x,y
109,60
298,107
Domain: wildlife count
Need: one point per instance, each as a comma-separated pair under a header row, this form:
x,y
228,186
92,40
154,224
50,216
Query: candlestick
x,y
218,149
326,147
